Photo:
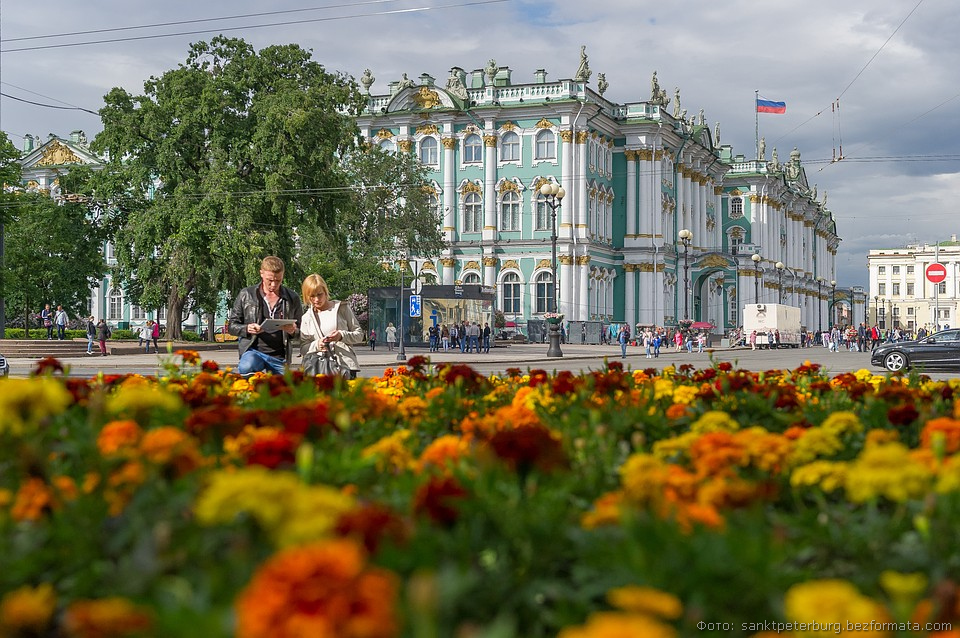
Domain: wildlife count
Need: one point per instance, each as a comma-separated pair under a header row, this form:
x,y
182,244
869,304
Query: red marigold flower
x,y
566,383
209,366
322,589
513,372
47,365
216,420
614,365
418,363
437,498
274,451
191,357
903,414
724,366
538,377
464,374
106,618
372,524
529,446
301,418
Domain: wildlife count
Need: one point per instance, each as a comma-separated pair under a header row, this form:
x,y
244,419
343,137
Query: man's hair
x,y
272,264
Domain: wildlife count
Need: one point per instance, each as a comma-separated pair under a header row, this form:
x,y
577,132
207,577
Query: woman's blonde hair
x,y
312,285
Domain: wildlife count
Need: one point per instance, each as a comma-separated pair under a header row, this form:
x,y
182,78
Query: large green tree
x,y
9,176
219,161
53,255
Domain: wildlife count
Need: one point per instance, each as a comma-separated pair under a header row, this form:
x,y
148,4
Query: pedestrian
x,y
583,333
486,337
563,333
329,325
473,332
390,334
61,320
373,339
445,337
622,338
138,331
155,336
91,334
678,339
753,340
265,350
648,344
103,333
701,341
657,341
46,316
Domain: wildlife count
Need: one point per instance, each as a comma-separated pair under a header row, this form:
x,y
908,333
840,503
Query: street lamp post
x,y
876,310
553,195
779,266
756,280
402,355
819,304
686,235
833,302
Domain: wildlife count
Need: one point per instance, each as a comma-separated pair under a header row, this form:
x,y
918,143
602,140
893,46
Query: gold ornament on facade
x,y
645,267
544,123
581,137
506,185
428,265
57,154
489,262
630,267
566,136
565,260
428,129
448,262
426,98
384,134
630,155
645,154
405,146
544,263
540,181
449,143
583,260
471,187
511,263
490,141
718,190
508,126
714,261
473,264
429,189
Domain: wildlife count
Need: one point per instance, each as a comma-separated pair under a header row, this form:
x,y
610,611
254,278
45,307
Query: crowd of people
x,y
467,336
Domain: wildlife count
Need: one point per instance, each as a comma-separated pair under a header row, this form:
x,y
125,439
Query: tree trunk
x,y
211,329
26,320
175,305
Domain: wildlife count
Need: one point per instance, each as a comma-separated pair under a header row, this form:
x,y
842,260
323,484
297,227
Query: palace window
x,y
543,214
472,150
510,285
471,278
896,270
881,270
544,292
510,147
909,290
881,289
115,310
896,290
546,145
428,151
387,146
472,213
137,313
909,270
510,211
736,207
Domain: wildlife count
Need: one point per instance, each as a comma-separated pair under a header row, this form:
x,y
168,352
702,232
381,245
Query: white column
x,y
630,295
632,194
447,275
580,176
449,190
489,187
583,268
565,303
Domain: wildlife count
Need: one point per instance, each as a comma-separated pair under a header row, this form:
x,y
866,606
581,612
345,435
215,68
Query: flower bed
x,y
442,503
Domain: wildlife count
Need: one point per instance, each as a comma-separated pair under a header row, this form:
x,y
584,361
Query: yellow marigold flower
x,y
888,471
119,438
26,402
833,603
767,451
815,442
106,618
27,611
714,421
642,477
948,477
842,422
827,475
879,437
674,447
619,625
903,587
141,401
411,408
314,511
662,389
646,600
606,511
6,497
685,394
391,452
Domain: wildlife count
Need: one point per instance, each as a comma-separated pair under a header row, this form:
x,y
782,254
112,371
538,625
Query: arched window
x,y
736,207
115,310
510,285
510,147
542,221
472,213
471,278
428,151
510,211
544,286
137,313
434,203
546,145
387,146
472,150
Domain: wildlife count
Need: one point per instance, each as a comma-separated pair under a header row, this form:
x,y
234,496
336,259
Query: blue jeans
x,y
61,332
474,344
90,339
486,344
255,361
623,349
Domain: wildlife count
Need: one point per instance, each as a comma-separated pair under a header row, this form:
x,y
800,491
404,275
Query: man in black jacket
x,y
261,350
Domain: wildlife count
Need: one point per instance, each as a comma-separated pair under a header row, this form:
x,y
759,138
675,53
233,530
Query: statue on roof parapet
x,y
583,71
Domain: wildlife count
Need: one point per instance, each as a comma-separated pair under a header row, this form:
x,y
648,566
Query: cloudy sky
x,y
891,65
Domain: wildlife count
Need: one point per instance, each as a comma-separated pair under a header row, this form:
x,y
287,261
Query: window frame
x,y
544,290
434,149
516,205
510,298
472,149
473,203
510,140
549,139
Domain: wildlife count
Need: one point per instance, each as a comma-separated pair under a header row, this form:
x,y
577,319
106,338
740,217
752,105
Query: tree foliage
x,y
218,161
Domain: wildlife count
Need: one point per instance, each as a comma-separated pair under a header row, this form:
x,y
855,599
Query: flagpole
x,y
756,122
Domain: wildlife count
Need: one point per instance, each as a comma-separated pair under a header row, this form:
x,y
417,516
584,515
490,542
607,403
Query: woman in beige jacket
x,y
328,323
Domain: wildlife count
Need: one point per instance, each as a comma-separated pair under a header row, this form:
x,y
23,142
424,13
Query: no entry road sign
x,y
936,273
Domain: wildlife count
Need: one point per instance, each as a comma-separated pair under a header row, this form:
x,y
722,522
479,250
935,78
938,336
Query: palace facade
x,y
634,175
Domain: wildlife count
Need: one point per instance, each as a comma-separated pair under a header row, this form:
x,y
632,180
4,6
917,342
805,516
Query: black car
x,y
4,366
938,351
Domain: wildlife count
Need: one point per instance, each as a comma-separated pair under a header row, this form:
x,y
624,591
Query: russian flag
x,y
769,106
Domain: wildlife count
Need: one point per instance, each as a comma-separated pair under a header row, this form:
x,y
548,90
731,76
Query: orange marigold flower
x,y
119,438
950,429
606,511
443,452
27,611
171,446
33,499
611,624
65,487
323,590
191,357
646,600
106,618
677,411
